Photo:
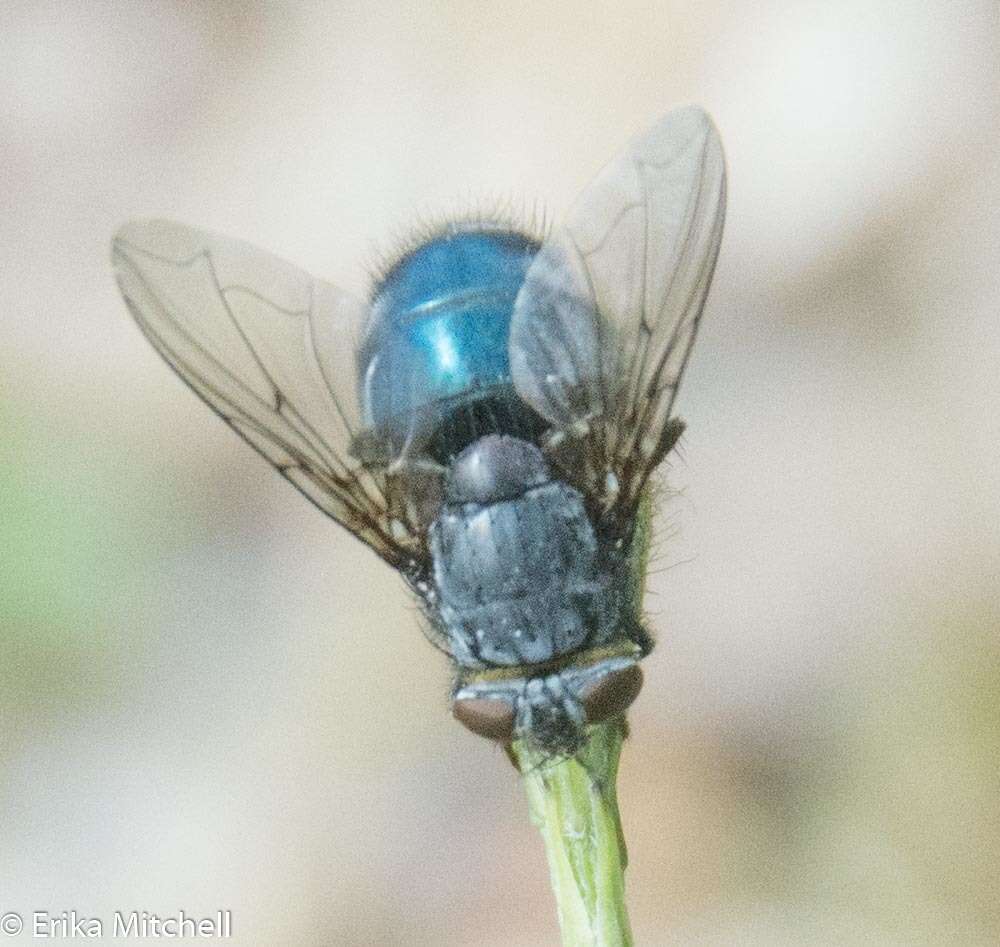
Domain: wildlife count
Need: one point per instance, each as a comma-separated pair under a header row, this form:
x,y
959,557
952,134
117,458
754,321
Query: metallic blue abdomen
x,y
436,346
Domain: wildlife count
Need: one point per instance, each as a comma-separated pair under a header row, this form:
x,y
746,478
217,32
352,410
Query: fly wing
x,y
270,349
604,322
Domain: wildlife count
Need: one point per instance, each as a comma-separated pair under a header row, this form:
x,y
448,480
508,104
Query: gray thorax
x,y
516,562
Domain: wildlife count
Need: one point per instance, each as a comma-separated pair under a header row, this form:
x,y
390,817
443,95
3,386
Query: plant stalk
x,y
575,806
574,803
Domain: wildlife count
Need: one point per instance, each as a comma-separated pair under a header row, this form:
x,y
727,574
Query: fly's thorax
x,y
518,572
493,469
551,710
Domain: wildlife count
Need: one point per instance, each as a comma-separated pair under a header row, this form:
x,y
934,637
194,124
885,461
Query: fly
x,y
493,435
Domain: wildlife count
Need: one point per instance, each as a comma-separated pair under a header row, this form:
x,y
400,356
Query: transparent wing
x,y
270,349
606,317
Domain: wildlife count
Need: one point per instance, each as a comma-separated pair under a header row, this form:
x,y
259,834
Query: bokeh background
x,y
212,697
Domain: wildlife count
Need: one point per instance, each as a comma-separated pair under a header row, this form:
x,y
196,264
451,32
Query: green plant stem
x,y
575,806
574,803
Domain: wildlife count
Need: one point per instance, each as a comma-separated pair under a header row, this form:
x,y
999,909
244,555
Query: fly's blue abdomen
x,y
434,364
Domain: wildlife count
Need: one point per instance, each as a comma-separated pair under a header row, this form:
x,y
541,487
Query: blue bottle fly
x,y
493,434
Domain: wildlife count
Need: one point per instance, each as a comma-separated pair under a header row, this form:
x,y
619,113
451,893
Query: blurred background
x,y
211,697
